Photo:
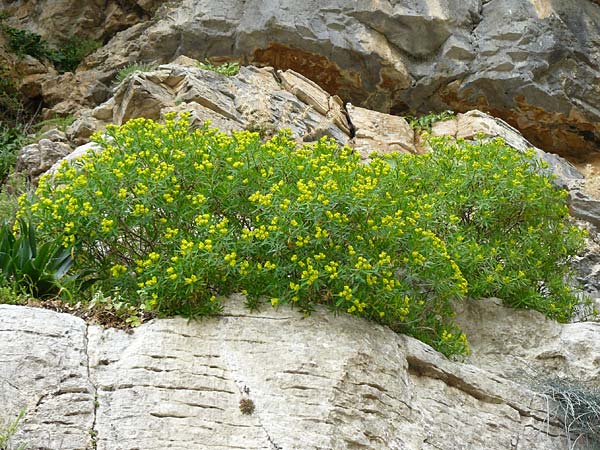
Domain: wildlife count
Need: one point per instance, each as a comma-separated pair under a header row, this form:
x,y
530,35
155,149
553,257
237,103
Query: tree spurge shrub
x,y
173,218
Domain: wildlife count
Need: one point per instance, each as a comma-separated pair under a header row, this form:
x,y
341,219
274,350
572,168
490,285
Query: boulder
x,y
379,132
60,20
321,382
140,97
534,63
524,345
35,159
67,93
254,99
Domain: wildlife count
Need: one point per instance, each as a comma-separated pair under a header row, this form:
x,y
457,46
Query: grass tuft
x,y
577,406
131,68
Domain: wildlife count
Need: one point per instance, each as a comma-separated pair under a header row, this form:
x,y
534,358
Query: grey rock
x,y
321,382
35,159
140,97
54,135
59,20
379,132
254,99
583,206
76,154
524,345
44,371
80,131
587,265
535,64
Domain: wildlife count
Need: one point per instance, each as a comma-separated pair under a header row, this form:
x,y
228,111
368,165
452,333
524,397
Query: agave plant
x,y
38,270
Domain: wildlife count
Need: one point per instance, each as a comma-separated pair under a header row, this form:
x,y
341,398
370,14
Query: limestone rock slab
x,y
525,345
316,383
378,132
44,371
321,382
253,99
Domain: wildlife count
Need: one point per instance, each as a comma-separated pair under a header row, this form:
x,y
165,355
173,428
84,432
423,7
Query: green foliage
x,y
228,69
39,128
8,296
132,68
8,430
116,307
172,218
12,108
66,58
577,407
24,42
424,123
11,141
32,268
71,53
9,194
60,123
502,220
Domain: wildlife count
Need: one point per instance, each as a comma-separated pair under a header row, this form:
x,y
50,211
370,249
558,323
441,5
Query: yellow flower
x,y
191,279
117,270
107,225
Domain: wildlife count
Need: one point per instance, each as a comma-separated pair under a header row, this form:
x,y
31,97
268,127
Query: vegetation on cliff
x,y
170,219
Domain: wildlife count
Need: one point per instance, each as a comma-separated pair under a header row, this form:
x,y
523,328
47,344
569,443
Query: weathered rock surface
x,y
525,345
254,99
322,382
35,159
44,370
534,63
58,20
379,132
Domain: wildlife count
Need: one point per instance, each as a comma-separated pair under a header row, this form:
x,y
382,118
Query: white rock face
x,y
44,370
321,382
524,344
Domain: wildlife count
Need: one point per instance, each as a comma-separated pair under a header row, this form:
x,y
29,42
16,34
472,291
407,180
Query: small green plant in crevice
x,y
132,68
7,431
24,42
577,407
37,270
424,123
16,118
228,69
13,109
115,309
8,296
70,54
39,128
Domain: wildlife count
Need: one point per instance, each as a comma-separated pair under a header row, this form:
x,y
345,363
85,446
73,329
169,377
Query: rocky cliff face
x,y
318,383
314,383
534,63
56,20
